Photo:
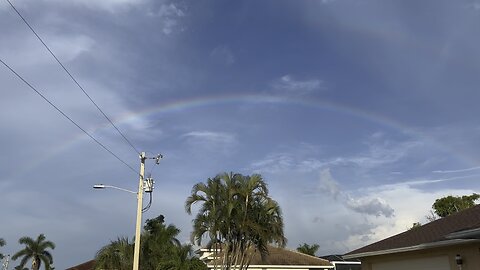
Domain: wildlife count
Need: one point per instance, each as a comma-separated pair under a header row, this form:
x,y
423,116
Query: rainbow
x,y
199,102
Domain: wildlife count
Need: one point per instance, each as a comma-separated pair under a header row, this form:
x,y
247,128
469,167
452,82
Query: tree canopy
x,y
37,251
238,216
451,204
2,243
308,249
160,250
116,255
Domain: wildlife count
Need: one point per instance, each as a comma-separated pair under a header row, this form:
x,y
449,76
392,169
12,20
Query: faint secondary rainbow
x,y
199,102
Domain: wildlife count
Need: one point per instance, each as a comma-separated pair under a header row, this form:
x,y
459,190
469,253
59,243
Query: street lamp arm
x,y
102,186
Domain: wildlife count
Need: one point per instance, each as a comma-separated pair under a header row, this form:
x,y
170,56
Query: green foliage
x,y
182,259
2,243
308,249
116,255
451,204
416,225
159,243
238,216
36,250
160,249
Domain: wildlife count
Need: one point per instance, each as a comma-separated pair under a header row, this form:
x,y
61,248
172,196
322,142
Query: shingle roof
x,y
84,266
337,258
281,256
434,231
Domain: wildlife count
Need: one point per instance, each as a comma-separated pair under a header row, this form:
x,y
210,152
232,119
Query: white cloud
x,y
170,13
475,5
378,219
68,48
379,152
211,136
273,163
371,206
3,5
419,182
287,85
350,219
106,5
210,141
328,184
458,170
170,10
298,158
27,54
223,54
364,204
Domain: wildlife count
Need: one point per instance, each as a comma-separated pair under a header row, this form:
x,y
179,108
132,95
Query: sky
x,y
357,113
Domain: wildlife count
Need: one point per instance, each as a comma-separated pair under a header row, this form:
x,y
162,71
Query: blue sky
x,y
359,114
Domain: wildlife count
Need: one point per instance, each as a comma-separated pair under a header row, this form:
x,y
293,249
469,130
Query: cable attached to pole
x,y
66,116
71,77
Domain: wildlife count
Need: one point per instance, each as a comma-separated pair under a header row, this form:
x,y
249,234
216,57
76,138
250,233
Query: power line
x,y
71,76
65,115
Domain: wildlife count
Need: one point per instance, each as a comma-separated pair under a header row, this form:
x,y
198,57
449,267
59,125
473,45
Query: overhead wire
x,y
66,116
153,169
145,209
71,76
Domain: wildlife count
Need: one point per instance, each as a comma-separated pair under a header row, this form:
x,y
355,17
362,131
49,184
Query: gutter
x,y
466,234
281,267
411,248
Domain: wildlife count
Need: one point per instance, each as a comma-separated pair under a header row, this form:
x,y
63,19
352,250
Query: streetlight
x,y
143,186
102,186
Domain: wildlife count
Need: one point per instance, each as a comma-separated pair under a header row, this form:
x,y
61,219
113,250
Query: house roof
x,y
282,256
337,258
440,230
84,266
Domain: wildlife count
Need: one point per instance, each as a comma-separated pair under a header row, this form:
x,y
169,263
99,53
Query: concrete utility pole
x,y
136,254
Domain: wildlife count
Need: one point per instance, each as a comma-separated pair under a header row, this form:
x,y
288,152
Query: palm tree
x,y
182,259
36,250
2,243
159,242
116,255
308,249
238,216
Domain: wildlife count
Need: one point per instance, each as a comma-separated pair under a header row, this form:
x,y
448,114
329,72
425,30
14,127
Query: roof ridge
x,y
304,254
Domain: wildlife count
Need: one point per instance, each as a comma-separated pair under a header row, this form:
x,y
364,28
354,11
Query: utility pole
x,y
136,254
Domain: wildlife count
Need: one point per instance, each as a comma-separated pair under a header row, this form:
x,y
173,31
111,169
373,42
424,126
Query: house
x,y
84,266
277,259
339,263
449,243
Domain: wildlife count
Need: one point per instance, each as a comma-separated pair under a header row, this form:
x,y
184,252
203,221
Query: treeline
x,y
160,249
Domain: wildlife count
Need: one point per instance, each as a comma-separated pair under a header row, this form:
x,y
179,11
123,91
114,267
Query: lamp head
x,y
99,186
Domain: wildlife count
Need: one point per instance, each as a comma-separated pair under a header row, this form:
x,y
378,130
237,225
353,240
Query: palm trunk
x,y
35,263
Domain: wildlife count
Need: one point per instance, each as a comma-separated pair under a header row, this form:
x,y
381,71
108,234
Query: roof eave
x,y
410,248
274,266
466,234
